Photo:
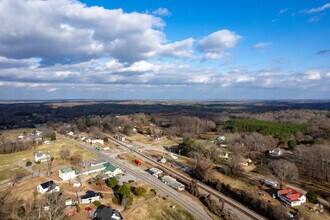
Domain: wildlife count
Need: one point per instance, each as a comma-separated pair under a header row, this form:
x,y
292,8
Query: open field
x,y
159,209
9,163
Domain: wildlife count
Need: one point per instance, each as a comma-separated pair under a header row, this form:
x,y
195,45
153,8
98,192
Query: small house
x,y
221,138
89,197
67,173
106,213
94,141
48,187
275,152
42,156
120,138
76,184
112,170
68,202
100,146
291,197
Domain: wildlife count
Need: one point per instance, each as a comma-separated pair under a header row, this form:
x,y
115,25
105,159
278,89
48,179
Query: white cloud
x,y
283,10
161,12
262,45
314,10
328,74
215,43
52,89
74,32
312,75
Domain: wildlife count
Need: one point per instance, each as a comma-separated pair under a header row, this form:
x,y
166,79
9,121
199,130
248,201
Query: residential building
x,y
106,213
276,152
173,183
120,138
42,156
48,187
67,173
291,197
100,141
68,202
89,197
111,170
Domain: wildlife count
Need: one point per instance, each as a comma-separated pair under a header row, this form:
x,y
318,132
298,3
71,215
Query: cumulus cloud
x,y
74,32
312,75
315,10
215,43
262,45
161,12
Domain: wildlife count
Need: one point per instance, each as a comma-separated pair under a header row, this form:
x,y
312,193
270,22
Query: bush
x,y
38,162
101,195
97,203
116,200
139,191
28,163
112,183
311,196
78,207
53,136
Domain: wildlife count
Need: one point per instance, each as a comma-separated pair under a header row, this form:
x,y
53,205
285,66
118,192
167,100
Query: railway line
x,y
187,180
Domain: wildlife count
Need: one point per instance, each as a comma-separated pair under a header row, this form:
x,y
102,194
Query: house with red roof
x,y
291,197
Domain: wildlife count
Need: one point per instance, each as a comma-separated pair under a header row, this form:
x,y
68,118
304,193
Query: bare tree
x,y
76,158
65,153
203,166
283,170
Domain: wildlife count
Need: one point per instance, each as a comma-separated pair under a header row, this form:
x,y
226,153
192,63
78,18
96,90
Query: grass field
x,y
9,162
159,209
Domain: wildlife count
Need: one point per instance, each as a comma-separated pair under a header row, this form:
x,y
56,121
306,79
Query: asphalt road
x,y
184,201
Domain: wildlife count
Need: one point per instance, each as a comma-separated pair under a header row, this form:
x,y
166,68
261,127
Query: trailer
x,y
172,182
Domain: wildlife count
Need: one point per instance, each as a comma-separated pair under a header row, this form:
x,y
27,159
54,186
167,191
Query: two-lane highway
x,y
184,201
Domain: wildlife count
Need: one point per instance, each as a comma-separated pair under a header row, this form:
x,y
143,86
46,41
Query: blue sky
x,y
164,49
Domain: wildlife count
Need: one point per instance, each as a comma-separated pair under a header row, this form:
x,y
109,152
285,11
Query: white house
x,y
89,197
77,184
42,156
67,173
291,197
68,202
94,141
221,138
48,187
276,152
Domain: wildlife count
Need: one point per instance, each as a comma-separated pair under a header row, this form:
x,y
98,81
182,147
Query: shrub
x,y
112,183
116,200
28,163
38,162
97,203
139,191
311,196
101,195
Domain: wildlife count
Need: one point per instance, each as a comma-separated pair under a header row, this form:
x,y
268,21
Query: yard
x,y
158,209
12,163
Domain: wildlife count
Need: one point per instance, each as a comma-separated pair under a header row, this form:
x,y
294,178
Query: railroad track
x,y
187,180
